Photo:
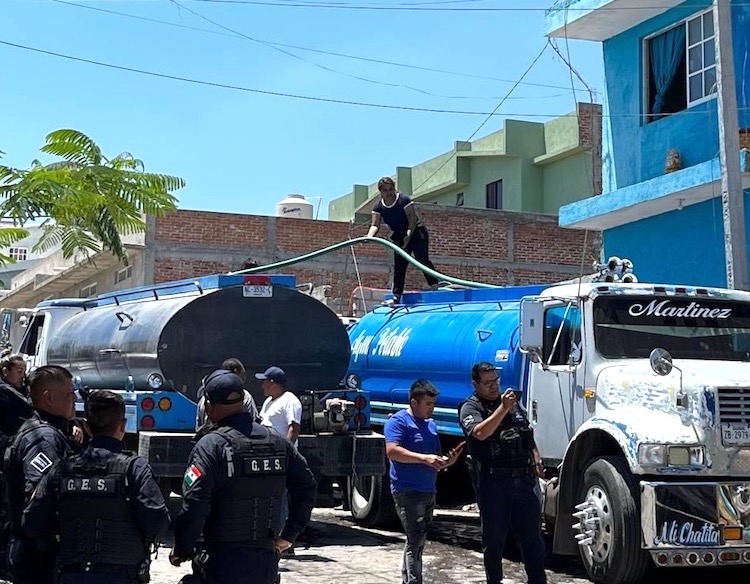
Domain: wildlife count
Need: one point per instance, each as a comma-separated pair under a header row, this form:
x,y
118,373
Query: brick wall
x,y
590,137
496,247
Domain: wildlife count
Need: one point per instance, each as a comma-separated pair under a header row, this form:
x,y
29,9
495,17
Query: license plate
x,y
257,291
735,434
130,419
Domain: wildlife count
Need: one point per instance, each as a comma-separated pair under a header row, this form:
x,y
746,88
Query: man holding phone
x,y
413,447
507,466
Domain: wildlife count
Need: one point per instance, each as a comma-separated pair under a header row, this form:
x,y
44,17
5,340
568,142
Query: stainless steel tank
x,y
184,337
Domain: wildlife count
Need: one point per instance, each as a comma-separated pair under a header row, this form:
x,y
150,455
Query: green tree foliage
x,y
87,202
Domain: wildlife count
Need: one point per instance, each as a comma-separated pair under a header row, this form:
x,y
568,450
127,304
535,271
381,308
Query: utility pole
x,y
732,196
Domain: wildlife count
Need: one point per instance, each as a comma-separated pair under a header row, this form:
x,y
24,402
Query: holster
x,y
199,566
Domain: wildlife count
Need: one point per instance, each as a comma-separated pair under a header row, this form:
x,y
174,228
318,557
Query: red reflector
x,y
147,422
360,420
360,402
147,404
257,280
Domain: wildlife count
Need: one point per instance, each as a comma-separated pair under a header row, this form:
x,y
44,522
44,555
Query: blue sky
x,y
243,152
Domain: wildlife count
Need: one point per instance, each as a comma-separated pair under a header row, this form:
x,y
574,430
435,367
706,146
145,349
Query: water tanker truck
x,y
155,344
639,396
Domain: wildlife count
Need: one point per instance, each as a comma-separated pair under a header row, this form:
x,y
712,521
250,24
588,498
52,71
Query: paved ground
x,y
340,551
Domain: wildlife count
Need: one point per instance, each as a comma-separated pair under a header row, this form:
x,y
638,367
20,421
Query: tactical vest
x,y
248,510
511,446
97,524
16,481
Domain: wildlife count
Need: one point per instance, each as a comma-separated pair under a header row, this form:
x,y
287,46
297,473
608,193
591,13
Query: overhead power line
x,y
487,118
311,97
422,8
250,89
310,49
324,67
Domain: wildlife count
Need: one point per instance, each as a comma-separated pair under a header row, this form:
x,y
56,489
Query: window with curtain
x,y
681,66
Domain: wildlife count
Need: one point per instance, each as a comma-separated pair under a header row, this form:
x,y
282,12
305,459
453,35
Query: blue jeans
x,y
415,511
510,503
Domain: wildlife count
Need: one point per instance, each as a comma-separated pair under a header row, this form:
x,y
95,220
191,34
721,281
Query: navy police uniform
x,y
15,409
232,493
106,508
505,482
40,442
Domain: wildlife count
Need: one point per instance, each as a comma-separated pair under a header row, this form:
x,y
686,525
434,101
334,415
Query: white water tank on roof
x,y
295,206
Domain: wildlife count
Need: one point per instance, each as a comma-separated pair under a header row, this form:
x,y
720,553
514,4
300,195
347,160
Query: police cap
x,y
224,387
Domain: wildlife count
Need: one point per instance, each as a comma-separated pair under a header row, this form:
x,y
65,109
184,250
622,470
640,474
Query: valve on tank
x,y
335,416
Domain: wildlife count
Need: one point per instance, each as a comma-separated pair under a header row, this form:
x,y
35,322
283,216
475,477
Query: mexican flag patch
x,y
192,474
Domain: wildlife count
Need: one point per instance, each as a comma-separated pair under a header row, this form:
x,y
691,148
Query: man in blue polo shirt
x,y
413,447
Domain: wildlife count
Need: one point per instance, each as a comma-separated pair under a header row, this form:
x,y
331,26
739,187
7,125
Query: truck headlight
x,y
683,455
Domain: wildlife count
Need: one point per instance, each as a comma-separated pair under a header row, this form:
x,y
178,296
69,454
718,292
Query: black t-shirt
x,y
394,215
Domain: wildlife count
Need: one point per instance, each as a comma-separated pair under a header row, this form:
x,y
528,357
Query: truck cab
x,y
640,401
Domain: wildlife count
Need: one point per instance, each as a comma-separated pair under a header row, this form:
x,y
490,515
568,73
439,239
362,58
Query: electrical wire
x,y
309,49
316,98
416,8
487,118
324,67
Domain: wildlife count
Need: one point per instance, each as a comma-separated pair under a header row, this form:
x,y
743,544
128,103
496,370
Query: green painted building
x,y
526,166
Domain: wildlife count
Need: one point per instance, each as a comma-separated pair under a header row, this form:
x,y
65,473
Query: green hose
x,y
356,241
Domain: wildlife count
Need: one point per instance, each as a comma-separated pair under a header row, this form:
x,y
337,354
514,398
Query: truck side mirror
x,y
532,328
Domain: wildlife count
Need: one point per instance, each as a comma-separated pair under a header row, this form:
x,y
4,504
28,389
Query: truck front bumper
x,y
696,523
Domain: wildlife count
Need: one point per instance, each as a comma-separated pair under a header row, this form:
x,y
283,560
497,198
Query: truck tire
x,y
614,556
371,501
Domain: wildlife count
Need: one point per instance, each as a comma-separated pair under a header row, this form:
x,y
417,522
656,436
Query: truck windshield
x,y
689,328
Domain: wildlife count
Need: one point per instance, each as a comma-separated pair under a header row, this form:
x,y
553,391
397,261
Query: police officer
x,y
15,409
40,442
507,465
103,505
232,493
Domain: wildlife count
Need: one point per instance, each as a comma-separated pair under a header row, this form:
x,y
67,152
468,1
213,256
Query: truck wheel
x,y
609,527
371,501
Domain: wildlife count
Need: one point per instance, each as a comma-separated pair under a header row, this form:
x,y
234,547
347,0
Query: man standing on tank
x,y
409,232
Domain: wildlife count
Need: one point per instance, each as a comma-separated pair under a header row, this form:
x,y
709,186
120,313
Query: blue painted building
x,y
661,199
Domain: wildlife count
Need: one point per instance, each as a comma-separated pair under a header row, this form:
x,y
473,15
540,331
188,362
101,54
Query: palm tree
x,y
87,201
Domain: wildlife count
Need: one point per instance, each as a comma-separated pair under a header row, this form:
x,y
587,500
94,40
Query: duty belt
x,y
505,471
97,567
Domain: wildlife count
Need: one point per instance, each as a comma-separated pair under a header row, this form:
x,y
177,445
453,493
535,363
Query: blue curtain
x,y
666,52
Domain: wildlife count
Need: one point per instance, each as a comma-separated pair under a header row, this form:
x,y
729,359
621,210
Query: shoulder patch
x,y
192,474
468,420
41,462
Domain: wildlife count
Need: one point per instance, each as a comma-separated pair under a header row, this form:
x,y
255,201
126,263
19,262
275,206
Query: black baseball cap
x,y
275,374
224,387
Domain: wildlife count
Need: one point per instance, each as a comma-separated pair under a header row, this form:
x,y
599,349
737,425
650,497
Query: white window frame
x,y
646,70
18,251
123,274
87,291
701,43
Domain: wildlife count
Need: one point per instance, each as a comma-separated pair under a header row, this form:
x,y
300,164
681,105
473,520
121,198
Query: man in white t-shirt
x,y
282,409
